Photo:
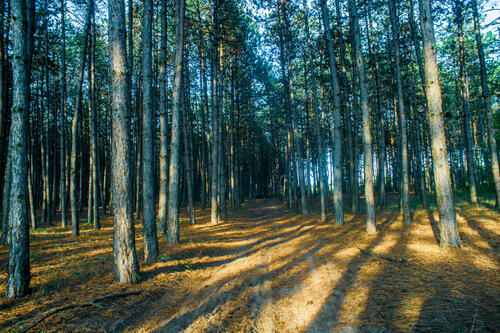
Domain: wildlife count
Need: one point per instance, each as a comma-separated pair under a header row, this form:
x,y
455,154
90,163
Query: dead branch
x,y
75,306
383,256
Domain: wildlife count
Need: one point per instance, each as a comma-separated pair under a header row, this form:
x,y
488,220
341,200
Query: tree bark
x,y
93,131
214,214
62,119
365,112
148,193
162,204
173,189
487,104
337,149
317,118
125,257
19,266
405,186
75,123
444,194
464,88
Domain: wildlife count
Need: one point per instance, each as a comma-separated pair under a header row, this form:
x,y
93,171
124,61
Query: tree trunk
x,y
187,147
487,104
62,119
173,190
19,266
148,193
402,115
162,204
444,194
75,123
381,145
93,132
464,88
367,136
125,257
214,216
337,150
317,118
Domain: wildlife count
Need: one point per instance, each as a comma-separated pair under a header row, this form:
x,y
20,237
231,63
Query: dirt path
x,y
268,270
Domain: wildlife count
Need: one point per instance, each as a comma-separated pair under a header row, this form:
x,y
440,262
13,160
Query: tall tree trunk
x,y
148,192
405,186
381,145
62,119
162,204
125,257
337,144
214,214
367,136
487,104
173,189
464,88
444,194
187,147
75,123
19,266
93,130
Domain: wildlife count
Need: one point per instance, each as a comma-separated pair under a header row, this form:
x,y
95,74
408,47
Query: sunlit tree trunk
x,y
173,189
487,104
337,145
365,112
125,257
444,193
214,213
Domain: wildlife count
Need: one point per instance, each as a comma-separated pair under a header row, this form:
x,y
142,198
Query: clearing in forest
x,y
268,270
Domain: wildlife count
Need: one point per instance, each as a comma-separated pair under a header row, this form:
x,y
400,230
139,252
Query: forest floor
x,y
267,269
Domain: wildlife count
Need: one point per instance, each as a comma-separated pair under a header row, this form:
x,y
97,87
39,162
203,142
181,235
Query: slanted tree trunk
x,y
148,191
337,145
317,118
173,189
19,266
405,186
365,112
75,124
444,194
487,104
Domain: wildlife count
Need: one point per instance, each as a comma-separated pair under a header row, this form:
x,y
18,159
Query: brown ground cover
x,y
267,269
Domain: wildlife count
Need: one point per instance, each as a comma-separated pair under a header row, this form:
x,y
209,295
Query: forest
x,y
249,165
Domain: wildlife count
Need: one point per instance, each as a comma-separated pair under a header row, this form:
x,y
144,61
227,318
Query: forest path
x,y
267,269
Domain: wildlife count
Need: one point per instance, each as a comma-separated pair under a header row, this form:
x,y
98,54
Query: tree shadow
x,y
488,236
329,314
435,227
